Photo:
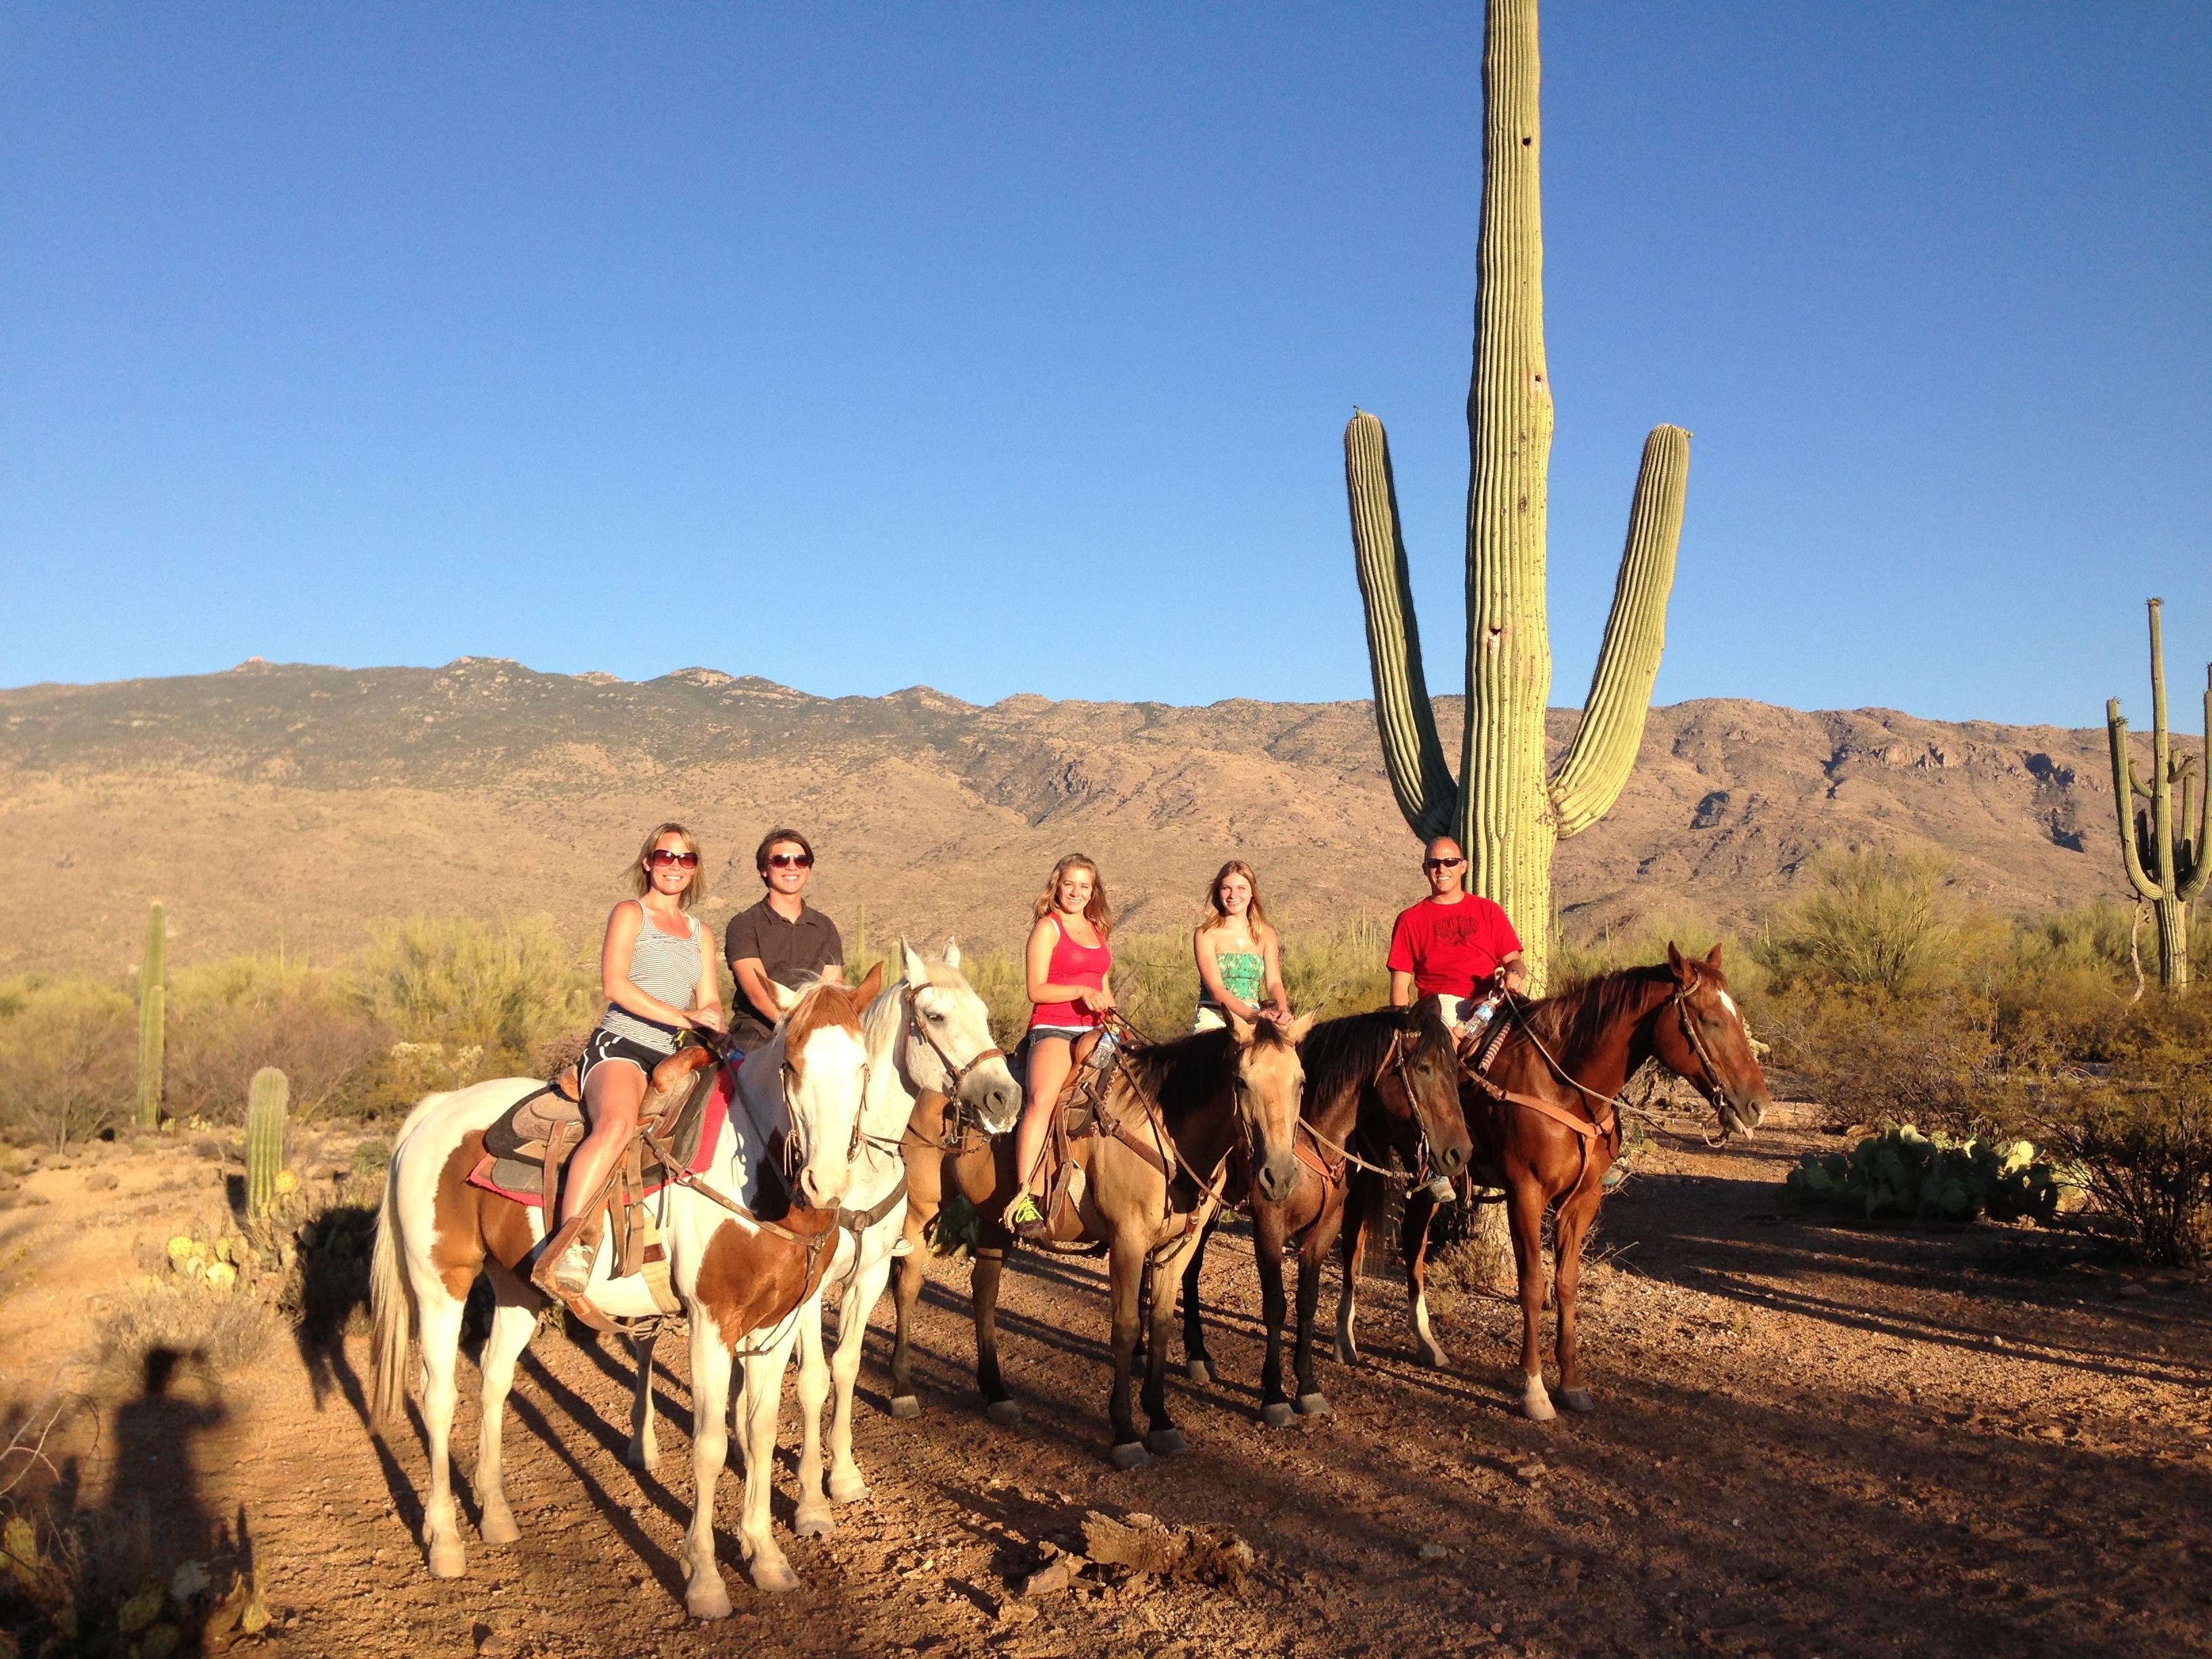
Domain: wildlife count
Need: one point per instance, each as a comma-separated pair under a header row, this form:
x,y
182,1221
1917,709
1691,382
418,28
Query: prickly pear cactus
x,y
267,1100
1903,1174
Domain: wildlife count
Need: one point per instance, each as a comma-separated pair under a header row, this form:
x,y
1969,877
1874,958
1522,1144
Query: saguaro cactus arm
x,y
1419,775
2190,882
2124,792
1597,762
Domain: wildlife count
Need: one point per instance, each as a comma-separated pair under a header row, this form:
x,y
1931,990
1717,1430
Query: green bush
x,y
1876,919
68,1057
231,1017
507,990
1905,1175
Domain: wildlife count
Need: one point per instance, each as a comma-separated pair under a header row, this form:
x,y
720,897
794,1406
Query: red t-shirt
x,y
1449,948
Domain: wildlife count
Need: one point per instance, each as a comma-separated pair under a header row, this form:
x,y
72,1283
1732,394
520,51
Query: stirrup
x,y
564,1264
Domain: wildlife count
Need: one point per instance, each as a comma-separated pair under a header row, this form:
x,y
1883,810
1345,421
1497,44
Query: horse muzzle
x,y
1276,1178
996,1101
825,1190
1451,1156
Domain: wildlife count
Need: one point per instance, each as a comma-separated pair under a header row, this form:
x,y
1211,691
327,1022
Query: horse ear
x,y
786,998
867,988
1675,961
1297,1029
916,970
1242,1030
952,953
1713,956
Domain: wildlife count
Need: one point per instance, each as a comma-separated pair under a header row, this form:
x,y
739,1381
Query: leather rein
x,y
1604,1123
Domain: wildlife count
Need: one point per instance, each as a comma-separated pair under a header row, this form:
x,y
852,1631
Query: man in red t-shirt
x,y
1454,942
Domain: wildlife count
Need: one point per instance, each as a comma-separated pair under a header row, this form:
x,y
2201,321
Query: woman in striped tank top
x,y
656,967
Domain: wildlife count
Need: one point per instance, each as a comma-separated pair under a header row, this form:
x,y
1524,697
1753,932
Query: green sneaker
x,y
1024,1219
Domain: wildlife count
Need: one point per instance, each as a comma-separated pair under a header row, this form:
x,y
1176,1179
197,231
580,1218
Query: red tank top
x,y
1072,963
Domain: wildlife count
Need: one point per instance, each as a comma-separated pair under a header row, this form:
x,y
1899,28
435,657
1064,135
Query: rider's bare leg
x,y
612,1098
1050,1060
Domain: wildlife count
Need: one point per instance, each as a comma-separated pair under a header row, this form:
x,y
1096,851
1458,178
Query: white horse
x,y
929,1031
738,1275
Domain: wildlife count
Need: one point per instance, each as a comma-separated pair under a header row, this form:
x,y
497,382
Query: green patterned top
x,y
1240,973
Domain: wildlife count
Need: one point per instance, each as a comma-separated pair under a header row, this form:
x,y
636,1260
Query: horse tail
x,y
392,1304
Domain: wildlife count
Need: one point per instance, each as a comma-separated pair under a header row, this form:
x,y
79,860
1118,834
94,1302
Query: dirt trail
x,y
1810,1440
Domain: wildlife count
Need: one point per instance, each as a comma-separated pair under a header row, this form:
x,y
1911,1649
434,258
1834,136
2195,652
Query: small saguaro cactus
x,y
153,1018
1503,808
266,1099
2165,852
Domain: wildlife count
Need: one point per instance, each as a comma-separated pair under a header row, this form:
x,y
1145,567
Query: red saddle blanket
x,y
519,1179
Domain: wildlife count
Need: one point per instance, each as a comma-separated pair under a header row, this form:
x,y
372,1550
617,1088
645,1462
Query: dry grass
x,y
155,1328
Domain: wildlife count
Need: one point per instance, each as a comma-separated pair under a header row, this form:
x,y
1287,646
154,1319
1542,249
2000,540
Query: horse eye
x,y
934,1018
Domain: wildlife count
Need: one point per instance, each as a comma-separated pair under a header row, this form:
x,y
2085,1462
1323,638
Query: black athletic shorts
x,y
608,1045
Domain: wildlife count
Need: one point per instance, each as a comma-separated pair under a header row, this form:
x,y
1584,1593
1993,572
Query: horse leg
x,y
1572,1226
703,1591
1524,1213
1164,1439
763,1402
1313,1256
441,1314
1352,1253
513,1321
845,1484
813,1518
1197,1363
1124,1266
1275,1409
1415,1241
643,1452
998,1404
912,1268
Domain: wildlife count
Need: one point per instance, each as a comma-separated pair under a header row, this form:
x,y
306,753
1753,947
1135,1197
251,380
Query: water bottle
x,y
1102,1055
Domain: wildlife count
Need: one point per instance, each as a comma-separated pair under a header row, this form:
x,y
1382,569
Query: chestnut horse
x,y
1550,1127
1377,1083
740,1273
1186,1105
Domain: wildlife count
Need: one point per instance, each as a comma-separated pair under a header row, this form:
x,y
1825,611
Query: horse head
x,y
1269,1085
825,1073
947,1045
1703,1040
1423,1076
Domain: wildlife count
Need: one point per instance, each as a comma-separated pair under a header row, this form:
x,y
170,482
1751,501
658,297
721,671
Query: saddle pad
x,y
697,1134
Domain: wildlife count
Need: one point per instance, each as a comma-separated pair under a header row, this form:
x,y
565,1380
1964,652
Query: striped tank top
x,y
664,965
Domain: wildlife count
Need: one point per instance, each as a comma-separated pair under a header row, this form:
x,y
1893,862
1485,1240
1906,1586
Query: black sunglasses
x,y
792,860
1441,863
660,858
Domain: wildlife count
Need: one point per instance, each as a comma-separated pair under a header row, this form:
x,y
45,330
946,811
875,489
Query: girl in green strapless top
x,y
1238,954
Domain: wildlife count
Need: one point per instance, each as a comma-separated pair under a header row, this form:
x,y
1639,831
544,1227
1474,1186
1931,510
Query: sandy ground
x,y
1811,1439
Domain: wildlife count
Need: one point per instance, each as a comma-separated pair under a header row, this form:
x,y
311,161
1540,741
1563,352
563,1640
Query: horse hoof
x,y
1577,1399
1346,1354
848,1489
1130,1454
448,1561
1535,1404
771,1578
1003,1411
1429,1354
813,1523
1166,1443
905,1405
1198,1371
499,1528
647,1456
1316,1405
707,1600
1278,1415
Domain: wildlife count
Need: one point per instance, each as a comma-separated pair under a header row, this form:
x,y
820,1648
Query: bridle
x,y
787,1148
956,1074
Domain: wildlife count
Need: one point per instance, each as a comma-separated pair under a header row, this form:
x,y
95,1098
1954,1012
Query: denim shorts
x,y
1069,1033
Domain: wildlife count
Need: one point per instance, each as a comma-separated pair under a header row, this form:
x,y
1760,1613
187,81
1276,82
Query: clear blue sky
x,y
1009,348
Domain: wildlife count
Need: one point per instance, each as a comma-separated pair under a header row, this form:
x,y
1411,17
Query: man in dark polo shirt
x,y
782,938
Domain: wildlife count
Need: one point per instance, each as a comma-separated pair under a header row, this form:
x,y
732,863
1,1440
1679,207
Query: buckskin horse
x,y
1152,1173
748,1240
1545,1114
1377,1083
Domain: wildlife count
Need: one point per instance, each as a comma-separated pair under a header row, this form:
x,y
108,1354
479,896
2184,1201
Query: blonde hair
x,y
1098,913
1255,917
641,879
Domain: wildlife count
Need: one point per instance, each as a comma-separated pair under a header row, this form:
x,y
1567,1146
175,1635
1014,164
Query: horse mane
x,y
1353,1047
1172,1071
1571,1023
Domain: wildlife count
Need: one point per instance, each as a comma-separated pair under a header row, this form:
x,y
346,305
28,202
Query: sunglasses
x,y
792,860
1441,863
661,859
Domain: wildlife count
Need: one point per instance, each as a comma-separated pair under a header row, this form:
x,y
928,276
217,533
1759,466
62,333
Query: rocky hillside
x,y
298,806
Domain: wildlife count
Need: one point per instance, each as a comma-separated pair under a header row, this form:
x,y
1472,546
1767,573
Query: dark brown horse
x,y
1376,1084
1547,1124
1149,1187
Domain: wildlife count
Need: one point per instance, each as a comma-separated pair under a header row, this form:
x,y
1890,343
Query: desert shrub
x,y
228,1019
1876,1058
68,1058
2139,1140
466,999
1904,1174
1337,971
1880,920
159,1325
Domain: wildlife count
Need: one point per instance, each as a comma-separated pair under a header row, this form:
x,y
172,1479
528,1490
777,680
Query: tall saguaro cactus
x,y
153,1018
1504,808
2166,858
266,1099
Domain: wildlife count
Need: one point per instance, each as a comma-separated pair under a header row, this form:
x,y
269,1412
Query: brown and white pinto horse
x,y
1550,1129
740,1277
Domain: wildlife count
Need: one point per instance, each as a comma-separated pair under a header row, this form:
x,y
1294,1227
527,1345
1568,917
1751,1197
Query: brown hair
x,y
1098,913
767,845
641,879
1215,916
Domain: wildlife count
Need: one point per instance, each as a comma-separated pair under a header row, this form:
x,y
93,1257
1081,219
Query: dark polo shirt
x,y
788,951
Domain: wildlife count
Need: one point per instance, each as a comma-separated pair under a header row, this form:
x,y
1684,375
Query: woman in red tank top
x,y
1070,967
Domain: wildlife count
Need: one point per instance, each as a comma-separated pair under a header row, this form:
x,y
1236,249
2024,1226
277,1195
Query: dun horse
x,y
740,1281
1153,1177
1548,1120
1376,1084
